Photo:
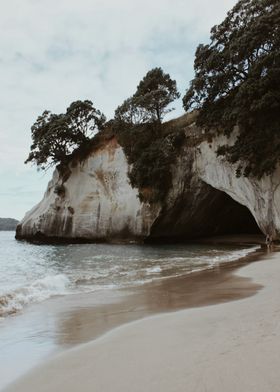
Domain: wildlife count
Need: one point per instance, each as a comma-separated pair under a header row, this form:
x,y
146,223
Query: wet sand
x,y
80,325
213,286
42,330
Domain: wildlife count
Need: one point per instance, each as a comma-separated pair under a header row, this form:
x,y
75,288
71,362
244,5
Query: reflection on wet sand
x,y
81,324
62,322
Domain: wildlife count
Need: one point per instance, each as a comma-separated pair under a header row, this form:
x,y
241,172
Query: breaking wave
x,y
30,274
37,291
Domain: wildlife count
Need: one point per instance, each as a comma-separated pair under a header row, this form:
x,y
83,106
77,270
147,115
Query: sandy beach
x,y
232,346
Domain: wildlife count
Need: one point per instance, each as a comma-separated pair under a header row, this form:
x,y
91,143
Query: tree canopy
x,y
56,136
237,82
151,100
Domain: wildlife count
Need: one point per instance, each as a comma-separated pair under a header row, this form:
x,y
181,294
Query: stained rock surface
x,y
96,202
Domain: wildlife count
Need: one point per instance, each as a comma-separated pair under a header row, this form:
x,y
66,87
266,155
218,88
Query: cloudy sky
x,y
53,52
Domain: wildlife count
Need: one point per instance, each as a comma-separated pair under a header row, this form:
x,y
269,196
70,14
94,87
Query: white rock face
x,y
261,197
99,202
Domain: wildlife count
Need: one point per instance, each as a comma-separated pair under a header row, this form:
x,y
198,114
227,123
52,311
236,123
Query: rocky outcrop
x,y
196,209
260,197
96,202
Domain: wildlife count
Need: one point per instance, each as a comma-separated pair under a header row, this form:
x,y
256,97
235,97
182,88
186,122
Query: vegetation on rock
x,y
151,147
56,136
237,82
150,102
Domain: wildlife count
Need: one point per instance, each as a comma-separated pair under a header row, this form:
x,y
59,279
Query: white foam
x,y
234,255
13,300
37,291
154,270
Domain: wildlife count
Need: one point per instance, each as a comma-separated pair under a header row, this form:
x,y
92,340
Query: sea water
x,y
34,273
51,296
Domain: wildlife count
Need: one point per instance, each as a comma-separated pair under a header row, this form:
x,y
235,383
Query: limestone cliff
x,y
261,197
96,202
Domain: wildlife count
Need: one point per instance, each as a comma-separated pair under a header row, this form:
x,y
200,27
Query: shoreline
x,y
42,239
226,347
199,289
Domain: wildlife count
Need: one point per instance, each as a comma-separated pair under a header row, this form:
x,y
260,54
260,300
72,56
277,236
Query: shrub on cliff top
x,y
237,82
56,136
150,146
151,149
151,100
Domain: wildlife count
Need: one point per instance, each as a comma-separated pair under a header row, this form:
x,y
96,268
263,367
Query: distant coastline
x,y
8,224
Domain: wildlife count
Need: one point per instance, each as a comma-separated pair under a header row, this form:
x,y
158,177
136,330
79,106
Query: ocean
x,y
34,273
51,296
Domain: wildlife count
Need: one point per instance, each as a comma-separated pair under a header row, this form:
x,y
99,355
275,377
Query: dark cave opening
x,y
203,212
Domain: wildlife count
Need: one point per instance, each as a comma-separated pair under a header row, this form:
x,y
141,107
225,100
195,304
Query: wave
x,y
154,270
37,291
114,277
209,262
234,255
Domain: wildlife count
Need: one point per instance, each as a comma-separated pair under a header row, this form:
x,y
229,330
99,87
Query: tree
x,y
131,113
237,82
84,119
155,92
151,99
56,136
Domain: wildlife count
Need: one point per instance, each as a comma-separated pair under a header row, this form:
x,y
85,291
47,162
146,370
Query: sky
x,y
53,52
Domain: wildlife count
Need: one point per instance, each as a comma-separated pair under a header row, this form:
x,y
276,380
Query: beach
x,y
140,202
54,298
232,345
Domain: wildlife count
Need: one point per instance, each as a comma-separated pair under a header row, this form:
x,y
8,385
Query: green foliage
x,y
150,102
56,136
151,148
131,113
237,82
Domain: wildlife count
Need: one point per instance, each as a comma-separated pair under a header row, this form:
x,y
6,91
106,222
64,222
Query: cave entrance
x,y
203,212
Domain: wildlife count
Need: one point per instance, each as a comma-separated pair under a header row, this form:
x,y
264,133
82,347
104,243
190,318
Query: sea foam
x,y
37,291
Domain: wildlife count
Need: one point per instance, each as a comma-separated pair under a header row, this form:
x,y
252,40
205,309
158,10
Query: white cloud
x,y
56,51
